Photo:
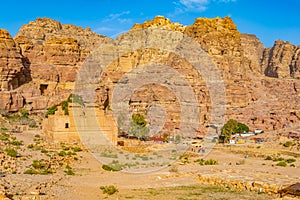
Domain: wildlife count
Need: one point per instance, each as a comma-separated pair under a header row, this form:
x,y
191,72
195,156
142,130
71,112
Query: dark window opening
x,y
66,125
43,88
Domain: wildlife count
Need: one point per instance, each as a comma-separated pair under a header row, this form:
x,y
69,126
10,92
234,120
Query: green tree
x,y
24,113
65,107
51,111
139,120
242,128
138,126
75,98
228,129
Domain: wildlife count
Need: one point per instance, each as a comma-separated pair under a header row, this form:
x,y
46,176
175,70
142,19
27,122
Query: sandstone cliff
x,y
243,61
38,69
13,68
48,54
282,60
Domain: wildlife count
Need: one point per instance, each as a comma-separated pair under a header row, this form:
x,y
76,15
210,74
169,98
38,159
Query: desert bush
x,y
65,107
69,172
114,166
290,160
51,111
24,113
44,151
288,144
62,153
206,162
210,162
282,164
36,164
110,189
268,158
278,159
11,152
76,149
4,137
75,98
16,143
31,171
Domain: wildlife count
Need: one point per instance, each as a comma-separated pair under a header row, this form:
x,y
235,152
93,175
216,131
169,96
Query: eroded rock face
x,y
49,55
282,60
241,58
48,41
161,22
13,68
220,39
253,50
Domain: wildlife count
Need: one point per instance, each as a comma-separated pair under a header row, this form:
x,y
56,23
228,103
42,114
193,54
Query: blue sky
x,y
269,20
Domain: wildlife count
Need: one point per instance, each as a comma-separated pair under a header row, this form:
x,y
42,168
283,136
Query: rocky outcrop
x,y
48,43
221,39
54,52
253,50
13,68
43,29
282,60
250,96
48,54
161,22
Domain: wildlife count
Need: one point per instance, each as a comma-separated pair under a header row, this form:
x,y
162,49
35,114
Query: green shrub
x,y
45,172
65,107
31,171
65,148
268,158
3,129
16,143
69,172
278,159
51,111
11,152
210,162
4,137
44,151
114,166
75,98
282,164
24,113
139,120
288,144
36,164
110,189
290,160
62,153
76,149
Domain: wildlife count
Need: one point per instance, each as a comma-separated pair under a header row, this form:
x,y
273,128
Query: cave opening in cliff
x,y
43,88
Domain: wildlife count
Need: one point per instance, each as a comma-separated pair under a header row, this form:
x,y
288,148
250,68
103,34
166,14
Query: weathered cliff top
x,y
43,29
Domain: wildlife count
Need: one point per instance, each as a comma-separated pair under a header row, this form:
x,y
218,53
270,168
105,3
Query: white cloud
x,y
118,17
104,29
195,5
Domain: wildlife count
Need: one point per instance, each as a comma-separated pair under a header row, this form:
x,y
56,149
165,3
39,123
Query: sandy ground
x,y
89,177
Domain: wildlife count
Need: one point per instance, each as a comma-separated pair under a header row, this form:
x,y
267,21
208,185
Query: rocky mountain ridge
x,y
38,69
